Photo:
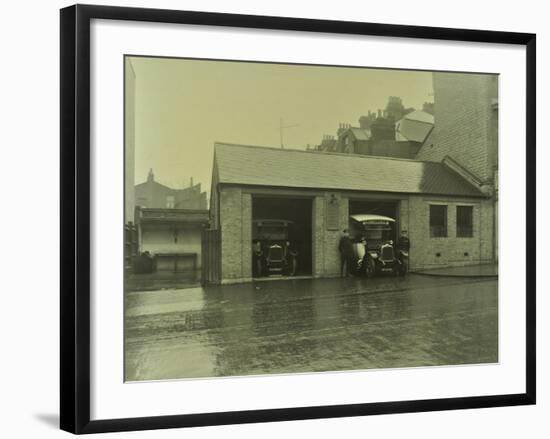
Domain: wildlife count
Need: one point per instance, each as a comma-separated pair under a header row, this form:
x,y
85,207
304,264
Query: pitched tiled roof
x,y
263,166
420,116
414,126
412,130
360,133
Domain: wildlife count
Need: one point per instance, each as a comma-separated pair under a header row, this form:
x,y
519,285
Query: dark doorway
x,y
385,208
297,212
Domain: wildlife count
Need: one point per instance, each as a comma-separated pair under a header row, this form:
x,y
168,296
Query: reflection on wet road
x,y
310,325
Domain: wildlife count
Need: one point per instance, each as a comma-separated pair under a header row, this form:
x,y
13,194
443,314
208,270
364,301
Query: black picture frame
x,y
75,217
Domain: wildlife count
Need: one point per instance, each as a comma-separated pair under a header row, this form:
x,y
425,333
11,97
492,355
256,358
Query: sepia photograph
x,y
297,218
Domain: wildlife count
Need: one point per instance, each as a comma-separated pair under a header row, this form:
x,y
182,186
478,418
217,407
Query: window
x,y
464,221
170,202
438,221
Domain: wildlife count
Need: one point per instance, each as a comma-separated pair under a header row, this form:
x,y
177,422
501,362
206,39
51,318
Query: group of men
x,y
348,259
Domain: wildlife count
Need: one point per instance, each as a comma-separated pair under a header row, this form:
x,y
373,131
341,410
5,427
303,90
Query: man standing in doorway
x,y
403,243
403,247
346,254
257,255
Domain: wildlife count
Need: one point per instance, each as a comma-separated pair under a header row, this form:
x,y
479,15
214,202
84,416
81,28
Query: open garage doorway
x,y
281,236
385,208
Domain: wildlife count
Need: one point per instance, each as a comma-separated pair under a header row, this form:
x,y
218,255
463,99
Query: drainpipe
x,y
495,216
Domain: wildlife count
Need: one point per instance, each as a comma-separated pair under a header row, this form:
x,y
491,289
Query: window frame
x,y
471,208
445,220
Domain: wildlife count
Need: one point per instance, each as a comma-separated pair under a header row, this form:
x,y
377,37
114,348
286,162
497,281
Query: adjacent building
x,y
130,237
152,194
394,132
466,124
414,127
129,140
169,224
173,239
465,134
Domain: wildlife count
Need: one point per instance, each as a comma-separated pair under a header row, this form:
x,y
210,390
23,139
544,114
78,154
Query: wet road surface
x,y
310,325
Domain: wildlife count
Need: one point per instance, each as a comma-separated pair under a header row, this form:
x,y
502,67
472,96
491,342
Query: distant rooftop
x,y
360,133
420,116
265,166
414,126
163,215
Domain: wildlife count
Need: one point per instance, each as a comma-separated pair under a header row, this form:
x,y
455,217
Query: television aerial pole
x,y
282,128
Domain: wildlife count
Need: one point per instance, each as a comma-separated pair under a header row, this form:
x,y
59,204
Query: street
x,y
286,326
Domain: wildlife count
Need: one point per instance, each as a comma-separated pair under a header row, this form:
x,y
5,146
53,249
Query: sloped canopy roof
x,y
263,166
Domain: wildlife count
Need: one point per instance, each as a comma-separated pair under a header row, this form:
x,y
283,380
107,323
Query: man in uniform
x,y
257,254
292,258
403,244
346,254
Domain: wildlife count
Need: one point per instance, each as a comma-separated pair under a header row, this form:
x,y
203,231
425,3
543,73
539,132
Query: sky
x,y
183,106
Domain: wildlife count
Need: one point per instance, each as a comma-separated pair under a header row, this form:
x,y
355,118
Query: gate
x,y
131,246
211,257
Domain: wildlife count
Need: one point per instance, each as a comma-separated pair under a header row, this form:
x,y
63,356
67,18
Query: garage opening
x,y
385,208
281,236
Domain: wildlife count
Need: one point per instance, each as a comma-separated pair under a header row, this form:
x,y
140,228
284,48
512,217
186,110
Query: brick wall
x,y
326,257
246,243
236,234
235,219
452,250
333,269
404,217
465,122
466,129
488,230
318,236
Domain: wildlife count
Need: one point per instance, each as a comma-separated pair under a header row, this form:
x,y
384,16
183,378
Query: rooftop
x,y
414,126
360,133
420,116
265,166
169,215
